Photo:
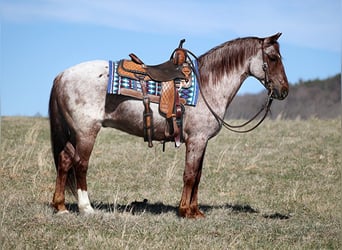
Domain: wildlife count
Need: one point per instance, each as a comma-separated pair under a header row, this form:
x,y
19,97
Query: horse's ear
x,y
272,39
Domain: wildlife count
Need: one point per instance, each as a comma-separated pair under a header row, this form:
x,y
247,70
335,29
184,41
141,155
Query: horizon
x,y
300,81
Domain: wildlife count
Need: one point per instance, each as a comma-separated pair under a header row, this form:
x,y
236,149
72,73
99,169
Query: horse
x,y
79,107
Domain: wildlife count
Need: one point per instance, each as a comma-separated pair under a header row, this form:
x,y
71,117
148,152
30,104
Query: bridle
x,y
266,107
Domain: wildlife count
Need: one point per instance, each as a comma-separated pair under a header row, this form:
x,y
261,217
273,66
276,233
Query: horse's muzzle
x,y
280,94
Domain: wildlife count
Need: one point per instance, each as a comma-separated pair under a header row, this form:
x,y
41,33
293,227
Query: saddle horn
x,y
179,55
181,43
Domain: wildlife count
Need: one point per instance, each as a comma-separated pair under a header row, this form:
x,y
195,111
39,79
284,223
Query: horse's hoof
x,y
199,215
190,214
182,212
62,212
88,210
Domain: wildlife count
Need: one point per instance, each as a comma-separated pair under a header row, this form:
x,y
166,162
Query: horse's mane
x,y
226,57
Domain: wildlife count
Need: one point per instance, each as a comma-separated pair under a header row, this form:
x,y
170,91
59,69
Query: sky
x,y
41,38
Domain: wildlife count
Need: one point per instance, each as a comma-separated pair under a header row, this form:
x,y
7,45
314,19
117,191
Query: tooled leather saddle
x,y
170,73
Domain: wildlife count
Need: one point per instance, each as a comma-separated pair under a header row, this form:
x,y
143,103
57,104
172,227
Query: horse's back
x,y
81,91
91,70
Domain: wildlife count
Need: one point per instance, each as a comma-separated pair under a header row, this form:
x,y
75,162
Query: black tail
x,y
60,133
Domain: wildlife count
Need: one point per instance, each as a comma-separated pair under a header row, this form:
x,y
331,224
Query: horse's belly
x,y
128,117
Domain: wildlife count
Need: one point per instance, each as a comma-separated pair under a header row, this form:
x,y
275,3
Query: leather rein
x,y
266,107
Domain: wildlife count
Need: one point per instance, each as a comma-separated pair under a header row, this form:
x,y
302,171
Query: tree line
x,y
306,99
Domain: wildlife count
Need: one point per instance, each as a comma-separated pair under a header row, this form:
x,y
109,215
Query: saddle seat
x,y
167,71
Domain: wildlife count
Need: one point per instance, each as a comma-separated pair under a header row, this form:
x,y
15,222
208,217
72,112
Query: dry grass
x,y
278,187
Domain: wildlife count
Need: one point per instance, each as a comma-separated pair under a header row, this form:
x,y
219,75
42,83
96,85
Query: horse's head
x,y
267,67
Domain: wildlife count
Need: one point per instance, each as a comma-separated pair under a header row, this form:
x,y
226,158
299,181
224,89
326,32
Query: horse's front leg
x,y
188,206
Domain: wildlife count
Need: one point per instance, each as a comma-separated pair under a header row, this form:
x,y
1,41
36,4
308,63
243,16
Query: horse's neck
x,y
221,92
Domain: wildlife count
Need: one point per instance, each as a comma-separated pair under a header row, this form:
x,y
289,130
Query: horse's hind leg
x,y
78,158
84,147
64,164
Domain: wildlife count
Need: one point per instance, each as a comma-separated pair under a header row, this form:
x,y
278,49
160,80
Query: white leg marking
x,y
83,202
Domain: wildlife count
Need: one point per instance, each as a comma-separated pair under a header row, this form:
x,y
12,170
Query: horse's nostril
x,y
284,93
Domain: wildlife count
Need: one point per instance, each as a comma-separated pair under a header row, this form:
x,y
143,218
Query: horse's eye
x,y
273,58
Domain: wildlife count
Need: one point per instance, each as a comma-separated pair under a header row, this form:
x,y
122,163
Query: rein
x,y
266,107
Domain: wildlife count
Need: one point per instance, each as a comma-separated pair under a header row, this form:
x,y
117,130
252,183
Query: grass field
x,y
278,187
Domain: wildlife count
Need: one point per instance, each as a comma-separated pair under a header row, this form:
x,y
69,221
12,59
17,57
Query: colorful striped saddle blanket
x,y
119,85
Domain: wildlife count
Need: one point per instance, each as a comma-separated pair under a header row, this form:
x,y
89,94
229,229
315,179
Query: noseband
x,y
266,107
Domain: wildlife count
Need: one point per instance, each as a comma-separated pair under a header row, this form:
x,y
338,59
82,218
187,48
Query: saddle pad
x,y
116,83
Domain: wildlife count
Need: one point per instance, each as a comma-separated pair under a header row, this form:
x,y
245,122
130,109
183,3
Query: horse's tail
x,y
60,133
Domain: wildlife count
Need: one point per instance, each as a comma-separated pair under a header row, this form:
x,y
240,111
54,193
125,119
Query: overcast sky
x,y
41,38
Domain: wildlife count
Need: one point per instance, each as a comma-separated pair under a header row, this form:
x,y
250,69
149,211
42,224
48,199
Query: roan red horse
x,y
79,106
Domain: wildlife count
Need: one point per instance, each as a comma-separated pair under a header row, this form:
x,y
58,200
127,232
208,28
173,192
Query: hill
x,y
314,98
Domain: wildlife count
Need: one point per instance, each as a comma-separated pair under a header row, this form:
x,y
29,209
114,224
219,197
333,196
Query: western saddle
x,y
171,74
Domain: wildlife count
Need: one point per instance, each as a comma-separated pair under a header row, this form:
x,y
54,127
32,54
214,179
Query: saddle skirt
x,y
130,86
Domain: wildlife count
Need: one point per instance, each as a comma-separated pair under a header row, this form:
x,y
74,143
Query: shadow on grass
x,y
144,206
